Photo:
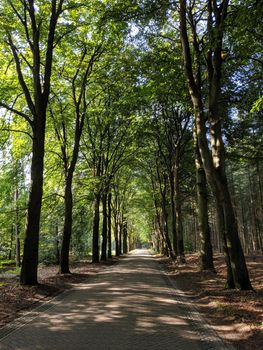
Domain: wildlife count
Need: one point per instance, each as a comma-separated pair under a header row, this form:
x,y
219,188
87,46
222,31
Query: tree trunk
x,y
230,283
178,208
206,252
173,213
17,224
10,253
28,274
67,228
125,237
213,159
104,228
165,227
57,251
96,224
37,102
159,225
109,226
120,222
116,235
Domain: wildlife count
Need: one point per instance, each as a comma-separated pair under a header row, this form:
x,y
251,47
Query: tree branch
x,y
21,114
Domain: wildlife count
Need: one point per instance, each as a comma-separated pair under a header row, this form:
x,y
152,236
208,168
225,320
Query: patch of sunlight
x,y
172,320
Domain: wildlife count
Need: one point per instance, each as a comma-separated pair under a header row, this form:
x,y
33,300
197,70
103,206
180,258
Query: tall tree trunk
x,y
165,250
125,237
57,251
95,233
120,223
173,213
214,159
116,235
230,283
10,253
178,208
104,228
206,252
17,229
37,102
67,228
165,227
109,226
28,274
18,256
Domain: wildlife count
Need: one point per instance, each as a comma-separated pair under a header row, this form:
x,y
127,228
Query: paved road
x,y
128,306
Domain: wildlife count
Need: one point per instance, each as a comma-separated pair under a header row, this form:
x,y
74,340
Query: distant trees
x,y
137,147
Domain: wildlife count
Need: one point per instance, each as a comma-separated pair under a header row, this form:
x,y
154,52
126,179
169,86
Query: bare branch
x,y
20,75
21,114
15,130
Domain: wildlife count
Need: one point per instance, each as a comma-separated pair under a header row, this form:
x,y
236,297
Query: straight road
x,y
128,306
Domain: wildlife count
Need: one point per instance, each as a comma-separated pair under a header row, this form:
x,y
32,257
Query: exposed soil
x,y
236,315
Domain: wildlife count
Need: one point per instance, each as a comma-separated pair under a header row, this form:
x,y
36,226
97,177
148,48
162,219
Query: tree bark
x,y
125,237
178,205
104,228
206,253
120,224
17,228
37,104
96,224
28,274
67,228
173,213
214,160
116,235
165,226
109,226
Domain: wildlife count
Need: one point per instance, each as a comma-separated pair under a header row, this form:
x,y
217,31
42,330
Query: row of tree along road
x,y
128,123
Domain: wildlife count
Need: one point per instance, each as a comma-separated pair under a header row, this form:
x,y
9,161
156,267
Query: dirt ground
x,y
236,315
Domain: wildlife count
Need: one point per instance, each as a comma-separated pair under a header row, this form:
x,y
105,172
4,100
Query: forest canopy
x,y
130,123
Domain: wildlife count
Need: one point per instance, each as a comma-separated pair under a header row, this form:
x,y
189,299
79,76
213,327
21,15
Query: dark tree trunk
x,y
96,224
213,159
125,237
57,245
206,253
116,235
120,234
109,226
165,227
28,274
18,257
178,209
230,284
67,229
17,230
37,102
173,213
159,223
10,253
104,228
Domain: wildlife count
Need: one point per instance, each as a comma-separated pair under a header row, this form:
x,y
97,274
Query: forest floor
x,y
236,315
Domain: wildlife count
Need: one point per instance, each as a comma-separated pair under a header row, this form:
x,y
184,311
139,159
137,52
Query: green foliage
x,y
135,84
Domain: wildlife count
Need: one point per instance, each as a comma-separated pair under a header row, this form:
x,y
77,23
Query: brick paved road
x,y
128,306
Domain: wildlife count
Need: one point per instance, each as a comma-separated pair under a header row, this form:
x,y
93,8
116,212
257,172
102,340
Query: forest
x,y
128,124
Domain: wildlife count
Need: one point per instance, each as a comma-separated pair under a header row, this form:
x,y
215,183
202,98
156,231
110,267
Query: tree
x,y
214,160
31,43
79,85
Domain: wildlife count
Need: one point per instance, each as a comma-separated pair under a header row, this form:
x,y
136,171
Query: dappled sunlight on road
x,y
128,306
